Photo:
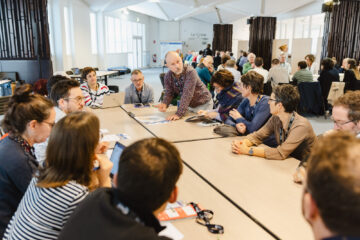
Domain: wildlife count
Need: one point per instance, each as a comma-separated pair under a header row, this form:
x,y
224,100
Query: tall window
x,y
67,31
93,33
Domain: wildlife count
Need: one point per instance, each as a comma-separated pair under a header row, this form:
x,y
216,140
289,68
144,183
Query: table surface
x,y
175,131
236,224
264,188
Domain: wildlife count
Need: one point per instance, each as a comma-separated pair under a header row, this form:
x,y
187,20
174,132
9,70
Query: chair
x,y
336,91
162,79
311,100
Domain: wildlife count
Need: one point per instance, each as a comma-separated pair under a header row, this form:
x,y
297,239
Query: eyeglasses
x,y
77,99
49,123
338,123
274,100
204,217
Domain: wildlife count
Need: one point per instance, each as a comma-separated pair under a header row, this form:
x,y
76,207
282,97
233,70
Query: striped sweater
x,y
43,212
94,98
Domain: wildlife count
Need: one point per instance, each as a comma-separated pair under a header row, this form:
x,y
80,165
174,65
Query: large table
x,y
175,131
263,188
99,74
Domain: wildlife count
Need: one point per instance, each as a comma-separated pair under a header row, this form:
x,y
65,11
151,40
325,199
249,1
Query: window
x,y
93,33
67,31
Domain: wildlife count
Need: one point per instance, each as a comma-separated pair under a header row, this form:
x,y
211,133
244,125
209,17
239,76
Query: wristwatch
x,y
251,151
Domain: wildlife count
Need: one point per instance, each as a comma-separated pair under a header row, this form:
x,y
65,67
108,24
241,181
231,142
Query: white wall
x,y
241,32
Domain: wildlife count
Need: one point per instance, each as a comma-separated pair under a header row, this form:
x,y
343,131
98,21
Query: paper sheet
x,y
152,119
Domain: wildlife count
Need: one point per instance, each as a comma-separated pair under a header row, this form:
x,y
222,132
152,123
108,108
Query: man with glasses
x,y
67,98
138,91
331,198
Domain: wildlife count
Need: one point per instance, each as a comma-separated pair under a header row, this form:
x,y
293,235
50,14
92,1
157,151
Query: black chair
x,y
113,88
311,100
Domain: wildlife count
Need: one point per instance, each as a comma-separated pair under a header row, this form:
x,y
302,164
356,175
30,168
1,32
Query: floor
x,y
319,124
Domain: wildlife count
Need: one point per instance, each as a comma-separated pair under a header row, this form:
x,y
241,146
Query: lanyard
x,y
289,126
139,94
91,95
252,109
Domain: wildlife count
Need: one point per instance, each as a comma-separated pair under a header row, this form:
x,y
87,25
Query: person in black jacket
x,y
208,51
28,120
217,60
351,76
328,75
145,182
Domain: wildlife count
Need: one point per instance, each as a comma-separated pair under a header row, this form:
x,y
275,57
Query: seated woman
x,y
293,133
351,76
254,110
28,120
64,181
92,90
328,75
228,95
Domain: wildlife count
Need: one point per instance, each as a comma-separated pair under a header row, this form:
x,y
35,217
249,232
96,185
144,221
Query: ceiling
x,y
204,10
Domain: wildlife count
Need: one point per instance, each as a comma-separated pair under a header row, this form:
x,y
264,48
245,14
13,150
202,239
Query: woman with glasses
x,y
69,172
293,133
28,120
228,95
254,110
92,90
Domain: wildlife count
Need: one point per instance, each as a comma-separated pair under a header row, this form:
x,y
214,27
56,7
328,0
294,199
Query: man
x,y
331,198
54,79
208,51
144,184
346,117
284,64
303,74
205,70
277,74
259,68
184,82
138,91
67,97
250,64
230,65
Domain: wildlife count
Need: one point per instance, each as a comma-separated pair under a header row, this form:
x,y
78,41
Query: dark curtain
x,y
262,34
24,38
325,40
344,36
222,39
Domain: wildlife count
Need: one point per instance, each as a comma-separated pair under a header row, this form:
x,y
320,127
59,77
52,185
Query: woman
x,y
311,66
64,181
228,95
224,59
28,120
254,110
351,76
328,75
92,90
293,133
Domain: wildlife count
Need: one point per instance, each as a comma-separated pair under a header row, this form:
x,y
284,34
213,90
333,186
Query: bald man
x,y
184,81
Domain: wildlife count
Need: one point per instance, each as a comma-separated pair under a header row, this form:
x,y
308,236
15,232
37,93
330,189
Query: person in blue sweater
x,y
205,70
254,110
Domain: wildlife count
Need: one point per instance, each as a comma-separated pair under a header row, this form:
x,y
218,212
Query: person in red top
x,y
184,81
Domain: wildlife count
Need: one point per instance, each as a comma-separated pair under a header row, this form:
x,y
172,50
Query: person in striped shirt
x,y
65,180
92,90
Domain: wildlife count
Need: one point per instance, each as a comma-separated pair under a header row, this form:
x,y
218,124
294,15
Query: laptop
x,y
115,156
113,100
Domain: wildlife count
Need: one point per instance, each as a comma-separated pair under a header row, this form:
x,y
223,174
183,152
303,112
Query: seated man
x,y
293,133
138,91
277,74
146,181
331,198
303,74
67,98
285,64
346,117
184,81
250,64
259,62
231,67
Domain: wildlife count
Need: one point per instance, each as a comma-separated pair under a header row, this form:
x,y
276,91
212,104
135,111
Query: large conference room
x,y
180,119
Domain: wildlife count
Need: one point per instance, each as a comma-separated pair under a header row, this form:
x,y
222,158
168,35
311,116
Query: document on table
x,y
170,231
115,137
152,119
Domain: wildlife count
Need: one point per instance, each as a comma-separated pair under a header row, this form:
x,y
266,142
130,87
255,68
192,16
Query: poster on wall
x,y
169,46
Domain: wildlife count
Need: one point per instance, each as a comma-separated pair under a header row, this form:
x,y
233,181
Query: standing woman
x,y
328,75
28,120
92,90
351,76
311,65
64,181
